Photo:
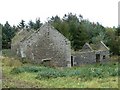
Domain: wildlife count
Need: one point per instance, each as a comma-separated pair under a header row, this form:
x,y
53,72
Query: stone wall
x,y
104,55
84,58
90,57
47,43
19,37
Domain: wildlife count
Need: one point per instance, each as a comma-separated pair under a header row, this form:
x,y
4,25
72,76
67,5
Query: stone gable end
x,y
46,45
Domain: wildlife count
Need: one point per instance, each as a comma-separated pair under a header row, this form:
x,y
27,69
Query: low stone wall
x,y
84,58
90,57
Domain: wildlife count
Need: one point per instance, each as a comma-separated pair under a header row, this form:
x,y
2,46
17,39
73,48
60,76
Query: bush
x,y
100,71
17,70
48,74
113,72
86,72
27,69
54,73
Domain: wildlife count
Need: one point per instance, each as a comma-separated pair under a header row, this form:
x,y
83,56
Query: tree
x,y
118,31
70,27
113,41
31,24
93,29
22,24
37,24
60,25
98,38
8,33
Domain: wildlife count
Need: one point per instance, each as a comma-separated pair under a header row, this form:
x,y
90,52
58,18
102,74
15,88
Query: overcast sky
x,y
103,11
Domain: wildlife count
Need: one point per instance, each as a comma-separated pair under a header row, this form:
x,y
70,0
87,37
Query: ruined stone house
x,y
44,46
48,46
91,53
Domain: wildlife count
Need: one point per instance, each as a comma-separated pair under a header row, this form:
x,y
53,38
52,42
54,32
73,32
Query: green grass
x,y
86,72
17,74
28,79
31,76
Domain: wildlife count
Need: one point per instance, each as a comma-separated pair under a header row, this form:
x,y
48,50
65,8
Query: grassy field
x,y
18,75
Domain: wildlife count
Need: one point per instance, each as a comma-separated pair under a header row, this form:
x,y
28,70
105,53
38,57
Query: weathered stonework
x,y
46,45
88,55
49,47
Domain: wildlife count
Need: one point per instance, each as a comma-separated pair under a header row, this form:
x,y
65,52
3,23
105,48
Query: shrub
x,y
17,70
86,73
113,72
48,74
54,73
100,71
26,69
30,69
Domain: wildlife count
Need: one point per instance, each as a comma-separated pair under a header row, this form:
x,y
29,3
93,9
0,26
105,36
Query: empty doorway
x,y
98,58
72,60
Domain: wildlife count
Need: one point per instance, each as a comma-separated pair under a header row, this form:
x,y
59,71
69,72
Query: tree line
x,y
77,29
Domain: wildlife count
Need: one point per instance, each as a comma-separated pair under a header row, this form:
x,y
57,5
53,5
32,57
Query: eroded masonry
x,y
49,47
45,46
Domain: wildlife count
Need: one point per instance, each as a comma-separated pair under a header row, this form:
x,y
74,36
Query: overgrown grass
x,y
30,69
7,53
11,62
86,73
17,74
45,72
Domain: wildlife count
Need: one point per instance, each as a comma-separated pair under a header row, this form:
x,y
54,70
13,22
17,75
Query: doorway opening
x,y
72,60
98,58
